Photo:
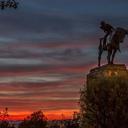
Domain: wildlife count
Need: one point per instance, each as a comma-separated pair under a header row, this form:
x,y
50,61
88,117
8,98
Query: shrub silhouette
x,y
4,124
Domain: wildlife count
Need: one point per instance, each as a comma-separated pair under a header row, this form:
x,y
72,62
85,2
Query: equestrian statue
x,y
111,41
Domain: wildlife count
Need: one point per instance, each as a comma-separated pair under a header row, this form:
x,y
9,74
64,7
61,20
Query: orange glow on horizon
x,y
51,115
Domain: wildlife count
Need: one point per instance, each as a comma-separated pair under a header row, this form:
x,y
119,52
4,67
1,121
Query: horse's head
x,y
121,33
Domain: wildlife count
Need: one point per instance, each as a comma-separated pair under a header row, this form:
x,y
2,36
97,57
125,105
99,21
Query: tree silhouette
x,y
4,114
104,104
4,123
35,120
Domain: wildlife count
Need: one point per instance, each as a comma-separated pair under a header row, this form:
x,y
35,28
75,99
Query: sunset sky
x,y
46,49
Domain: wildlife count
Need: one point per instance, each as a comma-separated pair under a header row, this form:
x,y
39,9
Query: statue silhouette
x,y
108,29
117,37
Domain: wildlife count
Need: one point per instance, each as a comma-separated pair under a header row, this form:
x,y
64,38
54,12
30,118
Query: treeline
x,y
38,120
35,120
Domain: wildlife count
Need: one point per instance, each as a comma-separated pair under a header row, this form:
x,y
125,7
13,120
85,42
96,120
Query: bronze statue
x,y
116,37
108,29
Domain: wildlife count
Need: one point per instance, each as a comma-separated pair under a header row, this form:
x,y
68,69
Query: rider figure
x,y
108,29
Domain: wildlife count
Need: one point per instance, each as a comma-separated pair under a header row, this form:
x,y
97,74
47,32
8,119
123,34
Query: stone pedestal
x,y
107,71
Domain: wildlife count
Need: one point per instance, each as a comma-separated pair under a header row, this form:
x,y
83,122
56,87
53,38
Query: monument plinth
x,y
107,71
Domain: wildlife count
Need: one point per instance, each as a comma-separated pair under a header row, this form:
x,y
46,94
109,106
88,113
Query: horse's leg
x,y
109,55
113,55
99,57
100,52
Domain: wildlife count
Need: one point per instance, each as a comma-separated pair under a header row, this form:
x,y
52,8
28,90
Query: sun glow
x,y
51,115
